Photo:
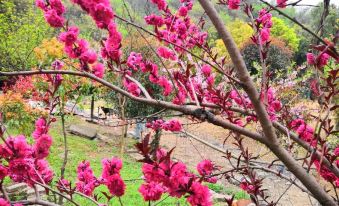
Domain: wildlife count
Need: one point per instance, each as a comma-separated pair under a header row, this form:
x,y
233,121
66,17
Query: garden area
x,y
169,102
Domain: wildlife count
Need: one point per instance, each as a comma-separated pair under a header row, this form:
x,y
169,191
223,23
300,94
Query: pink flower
x,y
161,153
41,4
89,57
18,169
336,152
57,6
132,88
323,59
20,147
276,104
166,53
206,70
164,83
181,97
234,4
41,173
99,70
200,195
235,96
70,36
205,167
172,125
111,167
154,20
265,18
155,125
54,19
3,172
183,11
326,173
112,44
78,50
281,3
57,64
63,185
42,145
86,182
264,35
152,173
115,185
4,202
247,187
310,59
151,191
102,14
134,60
210,80
40,128
160,3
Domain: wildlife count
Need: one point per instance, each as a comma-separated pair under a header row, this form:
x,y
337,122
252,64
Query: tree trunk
x,y
92,107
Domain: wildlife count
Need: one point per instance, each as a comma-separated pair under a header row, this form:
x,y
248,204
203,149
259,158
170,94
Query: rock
x,y
217,197
83,131
31,192
103,138
132,151
136,156
16,187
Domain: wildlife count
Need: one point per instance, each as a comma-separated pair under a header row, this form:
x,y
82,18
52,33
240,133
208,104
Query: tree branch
x,y
270,137
185,109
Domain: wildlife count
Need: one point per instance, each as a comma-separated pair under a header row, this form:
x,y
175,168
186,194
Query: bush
x,y
279,57
16,113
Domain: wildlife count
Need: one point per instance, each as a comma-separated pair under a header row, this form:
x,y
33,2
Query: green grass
x,y
82,149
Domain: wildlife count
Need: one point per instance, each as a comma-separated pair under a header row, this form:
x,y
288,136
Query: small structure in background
x,y
139,130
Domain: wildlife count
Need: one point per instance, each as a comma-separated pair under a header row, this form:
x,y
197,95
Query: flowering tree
x,y
190,88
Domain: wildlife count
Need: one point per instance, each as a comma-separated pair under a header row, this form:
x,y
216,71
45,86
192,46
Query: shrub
x,y
17,113
278,56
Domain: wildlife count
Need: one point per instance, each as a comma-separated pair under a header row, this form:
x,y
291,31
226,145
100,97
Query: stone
x,y
31,192
16,187
103,138
217,197
136,156
83,131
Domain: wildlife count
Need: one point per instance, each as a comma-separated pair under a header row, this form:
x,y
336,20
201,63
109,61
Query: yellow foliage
x,y
14,107
49,49
241,33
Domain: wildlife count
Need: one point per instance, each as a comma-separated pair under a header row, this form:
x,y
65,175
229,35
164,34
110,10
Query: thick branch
x,y
241,70
306,146
187,110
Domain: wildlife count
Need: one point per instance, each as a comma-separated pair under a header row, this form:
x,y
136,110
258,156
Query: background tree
x,y
22,28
